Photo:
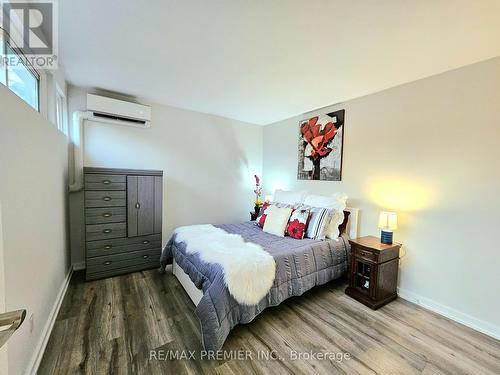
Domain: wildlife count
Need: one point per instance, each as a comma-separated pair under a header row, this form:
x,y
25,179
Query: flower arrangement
x,y
258,191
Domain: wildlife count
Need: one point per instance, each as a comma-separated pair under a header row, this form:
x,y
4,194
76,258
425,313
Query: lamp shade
x,y
388,221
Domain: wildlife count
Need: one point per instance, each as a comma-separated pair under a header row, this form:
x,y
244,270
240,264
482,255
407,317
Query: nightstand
x,y
255,214
374,271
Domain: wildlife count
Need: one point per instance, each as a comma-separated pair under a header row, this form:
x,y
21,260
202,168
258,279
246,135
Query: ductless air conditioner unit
x,y
118,112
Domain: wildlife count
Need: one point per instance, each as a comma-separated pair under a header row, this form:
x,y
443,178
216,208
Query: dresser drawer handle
x,y
106,182
107,199
107,230
145,242
364,253
107,263
145,256
107,214
108,247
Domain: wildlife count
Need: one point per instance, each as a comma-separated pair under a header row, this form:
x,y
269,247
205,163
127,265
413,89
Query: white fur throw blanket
x,y
248,269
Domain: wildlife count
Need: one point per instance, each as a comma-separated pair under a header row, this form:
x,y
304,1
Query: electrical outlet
x,y
32,322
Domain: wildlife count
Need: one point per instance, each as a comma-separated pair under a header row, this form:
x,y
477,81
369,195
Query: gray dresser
x,y
123,220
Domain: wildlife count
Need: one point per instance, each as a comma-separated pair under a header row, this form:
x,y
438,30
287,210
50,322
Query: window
x,y
20,78
61,119
3,71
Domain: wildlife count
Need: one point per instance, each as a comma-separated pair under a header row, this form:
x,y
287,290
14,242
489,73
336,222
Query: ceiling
x,y
262,61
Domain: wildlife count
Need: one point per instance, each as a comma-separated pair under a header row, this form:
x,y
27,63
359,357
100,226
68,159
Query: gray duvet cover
x,y
300,265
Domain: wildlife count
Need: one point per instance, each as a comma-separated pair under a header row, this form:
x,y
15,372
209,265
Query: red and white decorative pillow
x,y
297,225
261,219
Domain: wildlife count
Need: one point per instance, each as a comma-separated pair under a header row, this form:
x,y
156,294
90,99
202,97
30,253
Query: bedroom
x,y
124,171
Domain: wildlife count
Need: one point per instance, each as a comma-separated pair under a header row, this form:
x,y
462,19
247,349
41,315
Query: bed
x,y
300,265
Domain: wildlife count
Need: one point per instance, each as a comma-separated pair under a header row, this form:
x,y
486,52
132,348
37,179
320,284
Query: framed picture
x,y
320,147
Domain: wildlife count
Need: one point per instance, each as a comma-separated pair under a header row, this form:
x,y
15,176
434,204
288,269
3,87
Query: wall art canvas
x,y
320,147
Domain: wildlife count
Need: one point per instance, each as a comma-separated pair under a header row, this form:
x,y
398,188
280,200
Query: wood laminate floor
x,y
110,326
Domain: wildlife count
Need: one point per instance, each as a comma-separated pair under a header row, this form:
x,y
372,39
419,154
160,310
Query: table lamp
x,y
387,222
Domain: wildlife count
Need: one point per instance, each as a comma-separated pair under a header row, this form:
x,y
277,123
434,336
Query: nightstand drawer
x,y
365,254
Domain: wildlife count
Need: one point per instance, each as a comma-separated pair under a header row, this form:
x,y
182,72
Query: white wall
x,y
33,169
3,351
430,151
208,164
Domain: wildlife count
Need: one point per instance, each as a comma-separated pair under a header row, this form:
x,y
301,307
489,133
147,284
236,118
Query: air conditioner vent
x,y
118,112
117,118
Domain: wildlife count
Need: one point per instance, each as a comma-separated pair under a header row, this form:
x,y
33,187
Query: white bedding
x,y
249,270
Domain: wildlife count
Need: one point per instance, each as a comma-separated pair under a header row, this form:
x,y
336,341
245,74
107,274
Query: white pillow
x,y
332,231
335,202
276,220
290,197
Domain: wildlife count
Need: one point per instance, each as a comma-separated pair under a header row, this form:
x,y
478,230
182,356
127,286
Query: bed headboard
x,y
352,224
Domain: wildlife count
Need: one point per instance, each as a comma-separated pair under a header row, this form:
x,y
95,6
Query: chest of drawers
x,y
123,220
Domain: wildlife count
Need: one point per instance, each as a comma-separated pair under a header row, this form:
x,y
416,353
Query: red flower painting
x,y
320,147
318,137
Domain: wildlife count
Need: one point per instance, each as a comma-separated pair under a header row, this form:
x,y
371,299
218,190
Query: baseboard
x,y
78,266
40,348
467,320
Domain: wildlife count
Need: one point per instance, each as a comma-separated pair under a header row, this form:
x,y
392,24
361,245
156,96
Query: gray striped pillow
x,y
318,223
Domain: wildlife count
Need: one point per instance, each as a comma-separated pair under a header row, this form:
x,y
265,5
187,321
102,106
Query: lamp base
x,y
386,237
